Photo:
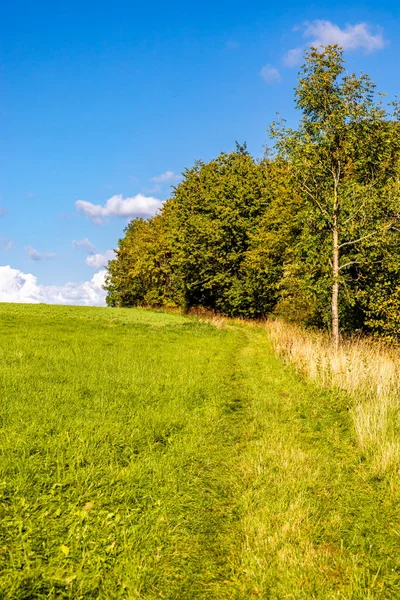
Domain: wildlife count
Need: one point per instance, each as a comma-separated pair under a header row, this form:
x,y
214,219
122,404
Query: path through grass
x,y
147,455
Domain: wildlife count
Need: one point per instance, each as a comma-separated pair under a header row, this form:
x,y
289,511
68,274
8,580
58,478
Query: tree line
x,y
310,232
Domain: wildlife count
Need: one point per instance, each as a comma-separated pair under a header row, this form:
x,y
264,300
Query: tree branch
x,y
307,190
364,237
348,264
358,262
353,216
385,229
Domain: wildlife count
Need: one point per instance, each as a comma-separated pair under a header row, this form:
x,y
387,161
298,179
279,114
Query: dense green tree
x,y
271,240
144,271
379,287
219,205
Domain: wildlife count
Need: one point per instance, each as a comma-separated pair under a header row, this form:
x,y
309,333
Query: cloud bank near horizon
x,y
16,286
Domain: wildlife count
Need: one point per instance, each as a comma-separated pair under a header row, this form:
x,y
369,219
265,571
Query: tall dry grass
x,y
368,372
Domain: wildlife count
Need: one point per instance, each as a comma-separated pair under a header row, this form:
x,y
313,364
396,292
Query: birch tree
x,y
342,157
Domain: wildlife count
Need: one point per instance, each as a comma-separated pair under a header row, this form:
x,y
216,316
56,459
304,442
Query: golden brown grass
x,y
367,371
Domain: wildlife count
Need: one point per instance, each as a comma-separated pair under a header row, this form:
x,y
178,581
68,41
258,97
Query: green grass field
x,y
148,455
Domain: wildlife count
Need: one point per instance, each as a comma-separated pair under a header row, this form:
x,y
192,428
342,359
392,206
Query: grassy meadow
x,y
148,455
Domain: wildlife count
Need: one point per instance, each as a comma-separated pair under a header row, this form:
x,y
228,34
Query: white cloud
x,y
85,244
117,206
350,37
16,286
166,177
35,255
88,293
270,74
99,260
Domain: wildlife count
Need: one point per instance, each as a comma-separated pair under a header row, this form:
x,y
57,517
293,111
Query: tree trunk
x,y
335,287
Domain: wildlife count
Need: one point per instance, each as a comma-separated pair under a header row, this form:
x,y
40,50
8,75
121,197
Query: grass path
x,y
315,523
145,456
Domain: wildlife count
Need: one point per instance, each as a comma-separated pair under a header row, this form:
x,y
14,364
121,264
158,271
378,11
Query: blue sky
x,y
113,100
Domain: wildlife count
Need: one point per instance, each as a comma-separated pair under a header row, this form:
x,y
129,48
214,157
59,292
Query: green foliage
x,y
379,291
194,252
144,271
277,229
219,205
383,311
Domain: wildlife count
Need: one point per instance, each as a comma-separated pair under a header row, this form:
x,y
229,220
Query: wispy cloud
x,y
293,57
117,206
152,189
84,244
351,37
35,255
166,177
6,245
95,259
270,74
